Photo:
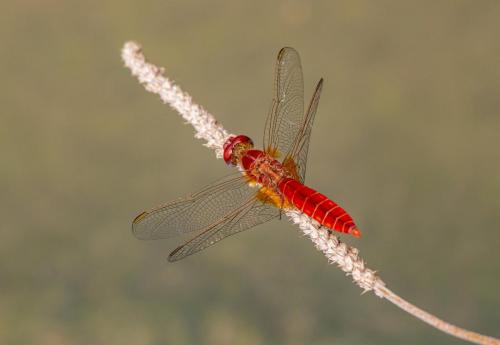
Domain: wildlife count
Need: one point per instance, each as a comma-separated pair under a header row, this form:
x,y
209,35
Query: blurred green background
x,y
406,138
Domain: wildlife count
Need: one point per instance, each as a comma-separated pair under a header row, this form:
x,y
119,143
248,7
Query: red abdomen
x,y
318,207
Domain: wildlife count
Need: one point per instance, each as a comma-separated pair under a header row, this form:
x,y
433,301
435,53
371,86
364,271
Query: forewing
x,y
287,109
195,212
250,214
300,147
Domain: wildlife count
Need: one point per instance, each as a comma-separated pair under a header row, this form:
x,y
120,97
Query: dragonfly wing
x,y
195,212
286,116
248,215
300,146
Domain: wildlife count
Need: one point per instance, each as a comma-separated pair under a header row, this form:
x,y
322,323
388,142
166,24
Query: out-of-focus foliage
x,y
406,138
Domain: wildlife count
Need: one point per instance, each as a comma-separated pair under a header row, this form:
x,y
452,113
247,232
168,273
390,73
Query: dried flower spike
x,y
345,257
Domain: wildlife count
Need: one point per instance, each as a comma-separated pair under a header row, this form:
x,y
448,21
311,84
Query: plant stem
x,y
337,252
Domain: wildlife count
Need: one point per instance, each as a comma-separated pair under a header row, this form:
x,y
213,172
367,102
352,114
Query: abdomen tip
x,y
355,232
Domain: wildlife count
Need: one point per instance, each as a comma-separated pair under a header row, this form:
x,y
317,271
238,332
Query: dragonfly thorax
x,y
263,168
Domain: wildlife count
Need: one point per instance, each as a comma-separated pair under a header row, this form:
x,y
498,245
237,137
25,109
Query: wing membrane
x,y
287,109
288,128
250,214
300,146
194,212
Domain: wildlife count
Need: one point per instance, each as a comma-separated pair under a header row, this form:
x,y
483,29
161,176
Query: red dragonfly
x,y
267,181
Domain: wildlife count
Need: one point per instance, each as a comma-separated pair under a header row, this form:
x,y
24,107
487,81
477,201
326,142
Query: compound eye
x,y
231,144
231,161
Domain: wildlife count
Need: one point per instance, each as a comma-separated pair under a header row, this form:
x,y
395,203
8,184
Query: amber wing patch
x,y
268,196
291,167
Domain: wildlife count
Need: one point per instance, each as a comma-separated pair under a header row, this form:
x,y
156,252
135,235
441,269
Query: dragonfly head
x,y
234,148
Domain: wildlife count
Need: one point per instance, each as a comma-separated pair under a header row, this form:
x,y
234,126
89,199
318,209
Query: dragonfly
x,y
265,182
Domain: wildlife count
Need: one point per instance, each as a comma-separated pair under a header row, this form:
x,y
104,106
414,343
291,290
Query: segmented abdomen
x,y
318,206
